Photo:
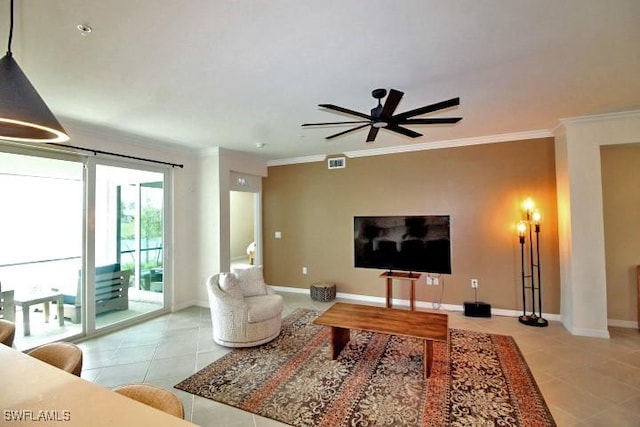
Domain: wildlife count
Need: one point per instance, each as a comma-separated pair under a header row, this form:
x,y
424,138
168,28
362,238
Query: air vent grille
x,y
337,163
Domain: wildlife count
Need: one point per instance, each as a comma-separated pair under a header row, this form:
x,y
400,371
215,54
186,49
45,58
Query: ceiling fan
x,y
382,116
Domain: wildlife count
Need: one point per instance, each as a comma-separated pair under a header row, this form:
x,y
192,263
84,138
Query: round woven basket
x,y
323,291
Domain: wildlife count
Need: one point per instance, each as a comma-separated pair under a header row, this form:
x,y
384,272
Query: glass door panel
x,y
128,239
151,225
41,223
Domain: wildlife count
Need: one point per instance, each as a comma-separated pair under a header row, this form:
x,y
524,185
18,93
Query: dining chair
x,y
7,332
64,355
153,396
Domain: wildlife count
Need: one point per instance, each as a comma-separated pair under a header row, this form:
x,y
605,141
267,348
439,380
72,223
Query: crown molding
x,y
210,151
296,160
564,123
633,114
505,137
462,142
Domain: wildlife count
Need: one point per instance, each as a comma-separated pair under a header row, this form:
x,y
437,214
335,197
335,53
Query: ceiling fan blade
x,y
390,104
403,131
372,134
336,123
345,110
347,131
433,121
427,109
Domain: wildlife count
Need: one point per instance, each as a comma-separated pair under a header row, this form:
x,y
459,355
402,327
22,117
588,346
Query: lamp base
x,y
533,320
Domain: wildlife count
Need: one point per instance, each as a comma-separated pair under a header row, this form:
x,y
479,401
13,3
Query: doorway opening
x,y
244,250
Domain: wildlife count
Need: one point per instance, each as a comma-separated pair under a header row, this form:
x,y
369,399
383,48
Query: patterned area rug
x,y
479,380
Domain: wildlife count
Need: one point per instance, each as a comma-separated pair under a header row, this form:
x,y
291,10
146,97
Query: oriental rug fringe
x,y
477,379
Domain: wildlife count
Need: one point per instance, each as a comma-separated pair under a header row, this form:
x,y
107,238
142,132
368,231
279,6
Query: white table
x,y
27,299
32,389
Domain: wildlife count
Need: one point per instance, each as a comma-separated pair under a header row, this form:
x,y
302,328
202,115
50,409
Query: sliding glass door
x,y
129,238
82,243
41,235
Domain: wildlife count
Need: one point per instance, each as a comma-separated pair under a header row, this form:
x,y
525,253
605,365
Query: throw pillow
x,y
229,284
251,281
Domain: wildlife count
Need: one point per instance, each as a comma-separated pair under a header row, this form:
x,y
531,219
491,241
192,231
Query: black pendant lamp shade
x,y
24,116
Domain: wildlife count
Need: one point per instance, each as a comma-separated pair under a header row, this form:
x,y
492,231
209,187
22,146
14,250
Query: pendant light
x,y
24,116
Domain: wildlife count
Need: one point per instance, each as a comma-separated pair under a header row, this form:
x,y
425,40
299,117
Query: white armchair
x,y
245,312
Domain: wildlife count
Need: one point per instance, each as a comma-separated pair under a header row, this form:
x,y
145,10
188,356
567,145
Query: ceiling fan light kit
x,y
24,116
382,116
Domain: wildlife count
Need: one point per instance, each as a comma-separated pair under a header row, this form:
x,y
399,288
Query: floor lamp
x,y
531,276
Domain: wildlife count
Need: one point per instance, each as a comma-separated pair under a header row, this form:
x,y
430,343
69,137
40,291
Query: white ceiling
x,y
207,73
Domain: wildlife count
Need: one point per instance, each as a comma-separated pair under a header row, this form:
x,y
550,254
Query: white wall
x,y
580,216
206,215
217,167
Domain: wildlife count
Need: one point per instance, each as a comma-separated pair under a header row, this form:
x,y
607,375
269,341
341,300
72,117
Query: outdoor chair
x,y
7,305
111,292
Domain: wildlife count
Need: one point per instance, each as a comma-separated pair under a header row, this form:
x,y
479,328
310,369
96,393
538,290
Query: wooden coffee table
x,y
424,325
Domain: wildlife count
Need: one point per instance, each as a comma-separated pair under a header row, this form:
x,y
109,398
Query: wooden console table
x,y
411,277
424,325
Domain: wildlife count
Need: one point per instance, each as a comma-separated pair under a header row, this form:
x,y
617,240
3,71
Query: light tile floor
x,y
585,381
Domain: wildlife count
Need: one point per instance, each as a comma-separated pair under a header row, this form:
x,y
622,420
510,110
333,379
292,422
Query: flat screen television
x,y
406,243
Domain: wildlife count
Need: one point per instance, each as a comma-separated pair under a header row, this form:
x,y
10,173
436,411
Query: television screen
x,y
408,243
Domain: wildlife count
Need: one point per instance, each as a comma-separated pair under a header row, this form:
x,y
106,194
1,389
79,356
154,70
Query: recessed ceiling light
x,y
84,29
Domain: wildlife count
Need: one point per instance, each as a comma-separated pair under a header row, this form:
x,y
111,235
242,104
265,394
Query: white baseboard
x,y
181,306
631,324
586,332
420,304
202,303
434,305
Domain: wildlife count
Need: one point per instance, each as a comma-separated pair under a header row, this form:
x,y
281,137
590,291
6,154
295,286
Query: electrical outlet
x,y
304,270
474,283
436,281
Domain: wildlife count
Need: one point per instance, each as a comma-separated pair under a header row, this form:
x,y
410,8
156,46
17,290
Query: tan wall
x,y
621,205
241,221
480,187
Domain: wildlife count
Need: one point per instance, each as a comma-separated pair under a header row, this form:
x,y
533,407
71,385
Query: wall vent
x,y
337,163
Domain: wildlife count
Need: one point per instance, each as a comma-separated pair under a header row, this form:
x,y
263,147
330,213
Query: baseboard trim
x,y
182,306
586,332
434,305
431,305
631,324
